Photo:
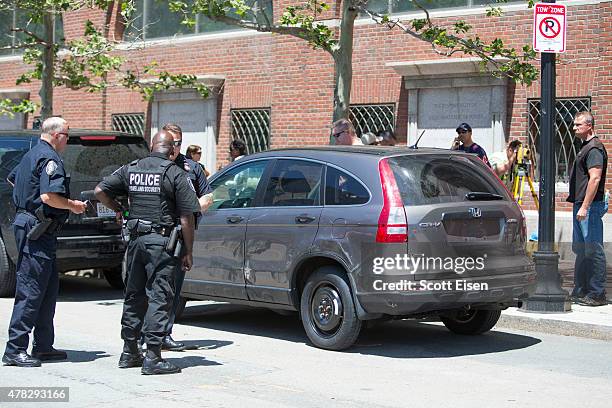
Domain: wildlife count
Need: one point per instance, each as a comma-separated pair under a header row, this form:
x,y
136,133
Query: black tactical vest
x,y
145,184
579,178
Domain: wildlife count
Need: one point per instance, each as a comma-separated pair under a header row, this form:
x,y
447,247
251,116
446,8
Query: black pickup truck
x,y
87,241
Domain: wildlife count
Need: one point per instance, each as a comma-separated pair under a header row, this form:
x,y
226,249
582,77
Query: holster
x,y
174,245
43,225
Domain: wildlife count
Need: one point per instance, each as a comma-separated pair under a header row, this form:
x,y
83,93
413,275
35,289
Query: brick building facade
x,y
284,79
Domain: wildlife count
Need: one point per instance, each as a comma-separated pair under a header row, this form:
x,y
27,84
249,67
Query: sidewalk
x,y
582,321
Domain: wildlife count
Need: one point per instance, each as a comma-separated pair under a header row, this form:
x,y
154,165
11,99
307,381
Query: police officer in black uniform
x,y
159,194
200,183
41,197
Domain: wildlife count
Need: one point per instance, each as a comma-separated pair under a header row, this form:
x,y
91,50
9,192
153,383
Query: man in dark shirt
x,y
197,177
42,198
159,193
587,192
464,142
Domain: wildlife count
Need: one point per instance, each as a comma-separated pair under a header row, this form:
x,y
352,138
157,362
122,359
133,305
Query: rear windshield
x,y
11,152
89,161
429,179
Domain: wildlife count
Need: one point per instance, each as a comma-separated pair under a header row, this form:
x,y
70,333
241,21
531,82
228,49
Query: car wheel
x,y
327,310
471,321
114,277
7,273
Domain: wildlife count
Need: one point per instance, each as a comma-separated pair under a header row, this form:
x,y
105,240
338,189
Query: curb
x,y
560,327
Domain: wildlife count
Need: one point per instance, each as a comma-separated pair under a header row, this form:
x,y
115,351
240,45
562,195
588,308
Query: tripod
x,y
520,173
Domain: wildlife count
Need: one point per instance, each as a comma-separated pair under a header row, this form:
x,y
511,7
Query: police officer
x,y
198,179
159,194
41,197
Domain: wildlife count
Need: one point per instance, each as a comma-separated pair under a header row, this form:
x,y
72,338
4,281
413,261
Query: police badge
x,y
51,167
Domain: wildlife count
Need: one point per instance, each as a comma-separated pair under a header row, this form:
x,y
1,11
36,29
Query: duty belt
x,y
139,227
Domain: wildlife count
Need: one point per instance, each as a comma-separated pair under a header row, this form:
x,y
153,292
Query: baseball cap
x,y
465,127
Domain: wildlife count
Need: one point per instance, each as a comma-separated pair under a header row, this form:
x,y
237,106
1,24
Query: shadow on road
x,y
191,361
81,356
397,339
205,344
82,289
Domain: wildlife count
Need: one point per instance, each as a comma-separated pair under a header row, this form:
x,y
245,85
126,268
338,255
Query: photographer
x,y
503,161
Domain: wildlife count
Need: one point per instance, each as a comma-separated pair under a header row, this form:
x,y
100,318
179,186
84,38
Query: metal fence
x,y
372,118
129,123
566,145
253,127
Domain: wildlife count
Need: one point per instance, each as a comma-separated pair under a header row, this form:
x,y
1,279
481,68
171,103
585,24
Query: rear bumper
x,y
87,252
496,291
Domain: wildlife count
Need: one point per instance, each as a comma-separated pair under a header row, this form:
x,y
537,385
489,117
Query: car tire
x,y
114,277
327,310
7,273
472,322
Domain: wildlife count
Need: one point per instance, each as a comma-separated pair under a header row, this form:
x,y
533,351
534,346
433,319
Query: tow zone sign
x,y
549,26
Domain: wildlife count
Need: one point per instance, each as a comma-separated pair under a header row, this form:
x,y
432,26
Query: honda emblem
x,y
475,212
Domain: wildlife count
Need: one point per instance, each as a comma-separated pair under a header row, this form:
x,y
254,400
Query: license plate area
x,y
104,211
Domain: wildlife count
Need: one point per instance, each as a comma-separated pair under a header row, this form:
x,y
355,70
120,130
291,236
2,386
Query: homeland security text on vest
x,y
145,183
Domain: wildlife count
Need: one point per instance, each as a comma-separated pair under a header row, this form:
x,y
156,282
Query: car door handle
x,y
234,219
304,219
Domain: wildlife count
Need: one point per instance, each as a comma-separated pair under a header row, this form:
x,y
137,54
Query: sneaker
x,y
20,359
589,301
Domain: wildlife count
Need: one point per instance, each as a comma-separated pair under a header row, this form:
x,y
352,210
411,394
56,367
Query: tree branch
x,y
32,35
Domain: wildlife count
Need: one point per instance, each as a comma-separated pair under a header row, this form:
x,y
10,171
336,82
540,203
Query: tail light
x,y
392,223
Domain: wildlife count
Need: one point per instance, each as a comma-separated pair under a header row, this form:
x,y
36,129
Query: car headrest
x,y
294,182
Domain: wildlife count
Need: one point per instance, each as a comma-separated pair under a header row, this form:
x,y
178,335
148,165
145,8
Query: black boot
x,y
20,359
169,344
131,356
154,364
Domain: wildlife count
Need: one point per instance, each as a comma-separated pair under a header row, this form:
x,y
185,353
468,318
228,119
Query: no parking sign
x,y
549,24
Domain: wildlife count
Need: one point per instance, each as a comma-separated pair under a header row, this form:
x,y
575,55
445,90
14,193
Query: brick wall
x,y
269,70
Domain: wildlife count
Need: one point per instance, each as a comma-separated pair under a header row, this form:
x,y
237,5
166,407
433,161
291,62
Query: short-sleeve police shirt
x,y
40,171
195,174
175,181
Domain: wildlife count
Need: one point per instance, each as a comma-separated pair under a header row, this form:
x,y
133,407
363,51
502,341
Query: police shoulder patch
x,y
51,167
190,183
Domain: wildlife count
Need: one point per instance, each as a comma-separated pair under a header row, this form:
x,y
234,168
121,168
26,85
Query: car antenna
x,y
415,146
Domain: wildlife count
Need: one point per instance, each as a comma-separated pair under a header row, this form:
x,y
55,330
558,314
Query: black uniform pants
x,y
149,289
36,290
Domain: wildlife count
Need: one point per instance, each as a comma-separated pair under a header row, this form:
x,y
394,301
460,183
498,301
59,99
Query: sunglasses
x,y
338,134
63,133
177,142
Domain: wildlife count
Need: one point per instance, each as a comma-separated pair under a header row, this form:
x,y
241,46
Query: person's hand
x,y
456,143
187,261
78,207
582,214
119,218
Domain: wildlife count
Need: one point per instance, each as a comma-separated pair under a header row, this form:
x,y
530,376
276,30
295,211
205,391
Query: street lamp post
x,y
549,296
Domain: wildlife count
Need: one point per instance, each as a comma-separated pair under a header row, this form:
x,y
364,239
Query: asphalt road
x,y
246,357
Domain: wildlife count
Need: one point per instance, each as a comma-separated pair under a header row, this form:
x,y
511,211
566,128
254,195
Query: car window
x,y
11,152
237,187
343,189
427,179
294,183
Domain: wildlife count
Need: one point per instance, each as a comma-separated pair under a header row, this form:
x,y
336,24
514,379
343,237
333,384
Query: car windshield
x,y
433,179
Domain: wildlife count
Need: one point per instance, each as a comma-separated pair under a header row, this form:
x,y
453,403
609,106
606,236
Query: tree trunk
x,y
48,72
343,60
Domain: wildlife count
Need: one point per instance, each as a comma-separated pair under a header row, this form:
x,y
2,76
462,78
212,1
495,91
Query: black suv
x,y
87,241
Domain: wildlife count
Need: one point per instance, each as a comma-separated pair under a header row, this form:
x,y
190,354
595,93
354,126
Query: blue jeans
x,y
587,244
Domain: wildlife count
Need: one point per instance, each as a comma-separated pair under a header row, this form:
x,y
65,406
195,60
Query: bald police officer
x,y
41,196
159,194
197,177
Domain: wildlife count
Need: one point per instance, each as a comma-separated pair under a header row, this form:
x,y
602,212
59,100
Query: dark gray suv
x,y
349,234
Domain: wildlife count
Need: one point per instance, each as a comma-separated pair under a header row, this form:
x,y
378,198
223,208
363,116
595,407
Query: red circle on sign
x,y
544,26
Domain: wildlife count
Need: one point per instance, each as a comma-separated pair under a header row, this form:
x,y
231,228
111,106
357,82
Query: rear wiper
x,y
479,196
